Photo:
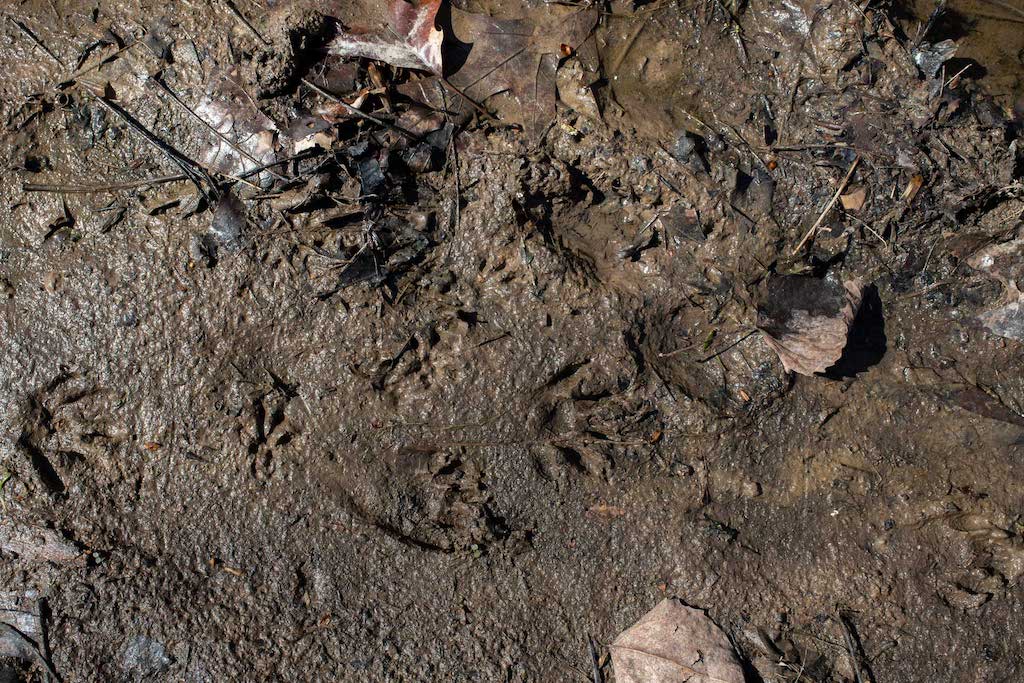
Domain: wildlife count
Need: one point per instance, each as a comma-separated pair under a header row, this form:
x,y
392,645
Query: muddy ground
x,y
542,405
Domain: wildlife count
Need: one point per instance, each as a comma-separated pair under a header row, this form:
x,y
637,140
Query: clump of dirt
x,y
317,367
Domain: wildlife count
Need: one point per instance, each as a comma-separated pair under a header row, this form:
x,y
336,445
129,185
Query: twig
x,y
191,169
801,148
868,228
241,17
718,353
90,189
356,112
957,75
473,103
132,184
598,677
828,207
856,650
44,642
34,648
106,60
35,39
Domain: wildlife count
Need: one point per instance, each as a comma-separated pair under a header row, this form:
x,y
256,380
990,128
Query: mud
x,y
553,408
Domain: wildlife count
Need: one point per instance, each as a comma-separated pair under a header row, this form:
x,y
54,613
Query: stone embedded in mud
x,y
806,320
145,657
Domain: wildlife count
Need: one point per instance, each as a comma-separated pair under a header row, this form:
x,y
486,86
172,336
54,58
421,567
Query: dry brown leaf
x,y
518,57
806,320
1004,263
674,643
411,41
854,200
246,135
574,91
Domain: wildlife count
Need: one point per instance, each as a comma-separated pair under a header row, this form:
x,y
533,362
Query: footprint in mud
x,y
434,500
726,367
996,562
64,423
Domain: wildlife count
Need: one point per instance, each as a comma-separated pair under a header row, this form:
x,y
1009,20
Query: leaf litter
x,y
353,199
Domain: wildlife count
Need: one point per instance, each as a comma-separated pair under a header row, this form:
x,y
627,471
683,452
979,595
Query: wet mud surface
x,y
446,411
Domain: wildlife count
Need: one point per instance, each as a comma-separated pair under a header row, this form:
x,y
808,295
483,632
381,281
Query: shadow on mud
x,y
866,344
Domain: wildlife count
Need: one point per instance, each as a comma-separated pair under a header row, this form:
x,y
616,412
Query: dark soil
x,y
443,410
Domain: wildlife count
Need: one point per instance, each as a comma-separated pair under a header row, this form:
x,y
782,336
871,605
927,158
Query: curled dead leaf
x,y
806,320
914,185
411,41
672,643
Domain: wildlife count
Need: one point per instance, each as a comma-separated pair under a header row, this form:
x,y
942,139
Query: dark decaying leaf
x,y
674,643
411,39
806,320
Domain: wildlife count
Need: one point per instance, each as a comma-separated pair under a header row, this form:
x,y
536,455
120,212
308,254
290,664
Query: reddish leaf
x,y
411,41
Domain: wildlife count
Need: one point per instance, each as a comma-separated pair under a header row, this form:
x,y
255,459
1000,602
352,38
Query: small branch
x,y
828,207
241,17
34,648
196,173
356,112
32,36
90,189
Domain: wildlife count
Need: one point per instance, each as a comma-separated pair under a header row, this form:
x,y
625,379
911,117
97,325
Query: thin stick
x,y
90,189
356,112
598,678
132,184
241,17
190,168
32,36
34,647
957,75
106,60
828,207
1006,6
473,103
739,341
